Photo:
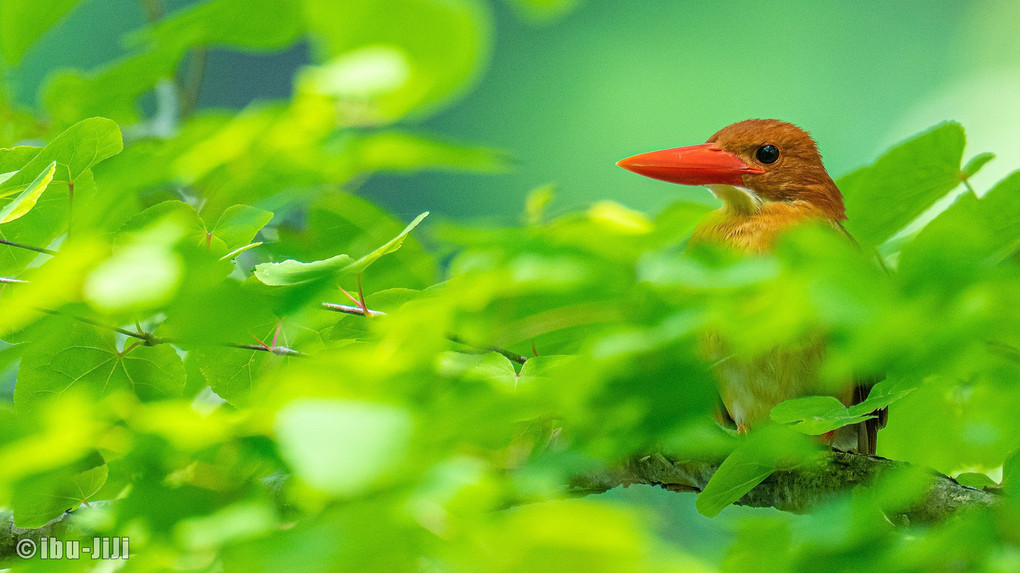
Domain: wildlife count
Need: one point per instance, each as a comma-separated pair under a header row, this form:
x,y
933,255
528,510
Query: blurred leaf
x,y
441,46
408,153
882,198
112,90
27,199
976,163
24,21
260,25
44,497
343,447
544,11
619,219
760,454
975,480
537,201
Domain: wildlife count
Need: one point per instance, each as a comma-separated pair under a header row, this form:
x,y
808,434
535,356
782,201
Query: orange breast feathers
x,y
769,176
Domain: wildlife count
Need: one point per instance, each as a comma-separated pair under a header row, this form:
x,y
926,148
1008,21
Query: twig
x,y
27,247
348,309
277,350
367,312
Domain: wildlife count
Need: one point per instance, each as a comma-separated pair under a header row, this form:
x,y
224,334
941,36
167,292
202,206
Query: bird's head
x,y
747,164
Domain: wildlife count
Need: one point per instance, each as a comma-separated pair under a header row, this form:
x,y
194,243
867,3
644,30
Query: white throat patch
x,y
740,200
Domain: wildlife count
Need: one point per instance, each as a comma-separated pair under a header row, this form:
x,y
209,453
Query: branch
x,y
367,312
800,489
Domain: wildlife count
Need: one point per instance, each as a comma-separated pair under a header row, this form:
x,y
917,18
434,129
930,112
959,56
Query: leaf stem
x,y
361,297
70,206
27,247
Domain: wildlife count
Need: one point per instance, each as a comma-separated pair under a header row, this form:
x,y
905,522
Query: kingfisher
x,y
770,177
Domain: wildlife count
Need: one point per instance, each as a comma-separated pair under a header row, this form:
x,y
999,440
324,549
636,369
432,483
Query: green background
x,y
568,98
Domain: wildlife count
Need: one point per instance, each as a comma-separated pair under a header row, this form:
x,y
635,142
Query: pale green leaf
x,y
291,272
442,45
392,245
976,163
27,199
343,447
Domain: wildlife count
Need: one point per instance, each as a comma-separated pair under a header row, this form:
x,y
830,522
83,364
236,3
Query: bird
x,y
770,178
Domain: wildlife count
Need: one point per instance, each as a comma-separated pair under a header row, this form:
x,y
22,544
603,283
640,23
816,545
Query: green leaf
x,y
976,163
392,245
432,51
544,11
259,25
14,158
291,272
975,480
490,367
884,394
27,199
24,21
883,198
76,150
110,91
86,359
343,447
239,224
39,499
760,454
971,231
814,415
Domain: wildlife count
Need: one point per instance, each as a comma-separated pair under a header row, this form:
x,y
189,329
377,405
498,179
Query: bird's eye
x,y
767,154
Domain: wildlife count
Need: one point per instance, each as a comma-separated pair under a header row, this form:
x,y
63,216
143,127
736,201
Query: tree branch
x,y
800,489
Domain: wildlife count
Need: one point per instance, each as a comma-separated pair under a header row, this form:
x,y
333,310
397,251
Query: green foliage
x,y
23,21
174,357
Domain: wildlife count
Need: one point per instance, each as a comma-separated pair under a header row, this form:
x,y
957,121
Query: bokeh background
x,y
569,91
